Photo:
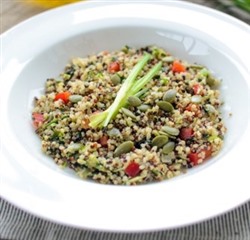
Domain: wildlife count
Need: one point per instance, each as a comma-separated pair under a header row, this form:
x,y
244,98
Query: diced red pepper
x,y
64,96
197,89
194,158
132,169
186,133
114,67
37,119
208,152
104,141
178,67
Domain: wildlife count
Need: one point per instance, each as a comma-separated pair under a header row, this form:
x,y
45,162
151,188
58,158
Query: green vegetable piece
x,y
144,80
164,81
92,161
141,93
204,72
129,87
73,147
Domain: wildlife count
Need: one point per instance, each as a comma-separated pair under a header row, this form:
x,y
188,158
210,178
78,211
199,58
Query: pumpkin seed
x,y
196,66
128,113
114,132
134,101
196,99
169,147
169,96
171,130
115,79
168,59
212,82
160,140
168,158
210,108
162,133
125,147
165,106
75,98
144,107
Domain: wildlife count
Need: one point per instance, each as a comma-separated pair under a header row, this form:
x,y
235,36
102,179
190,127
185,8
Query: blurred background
x,y
15,11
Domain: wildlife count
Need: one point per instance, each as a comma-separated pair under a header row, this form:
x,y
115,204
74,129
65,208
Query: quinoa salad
x,y
130,116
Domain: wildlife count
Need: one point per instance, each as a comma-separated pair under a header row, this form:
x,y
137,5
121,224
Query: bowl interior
x,y
186,43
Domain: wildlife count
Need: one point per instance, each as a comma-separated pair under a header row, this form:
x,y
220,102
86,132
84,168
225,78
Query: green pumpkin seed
x,y
114,132
168,158
210,108
171,130
169,147
144,107
134,101
160,140
169,96
168,59
165,106
196,99
125,147
162,133
128,113
75,98
212,82
115,79
196,66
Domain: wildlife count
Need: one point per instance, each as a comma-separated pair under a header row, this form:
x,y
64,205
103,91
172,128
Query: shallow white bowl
x,y
40,48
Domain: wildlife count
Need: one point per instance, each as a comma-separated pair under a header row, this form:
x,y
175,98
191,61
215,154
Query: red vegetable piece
x,y
197,88
104,141
132,169
208,152
37,119
114,67
186,133
64,96
178,67
194,158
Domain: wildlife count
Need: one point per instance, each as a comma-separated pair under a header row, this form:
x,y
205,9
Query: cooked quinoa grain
x,y
169,125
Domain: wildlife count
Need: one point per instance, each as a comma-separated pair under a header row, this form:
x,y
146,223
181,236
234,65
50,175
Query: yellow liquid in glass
x,y
51,3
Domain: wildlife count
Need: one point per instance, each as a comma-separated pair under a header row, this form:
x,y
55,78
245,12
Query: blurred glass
x,y
245,4
51,3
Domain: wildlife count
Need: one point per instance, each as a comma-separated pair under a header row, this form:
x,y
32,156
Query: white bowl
x,y
40,48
